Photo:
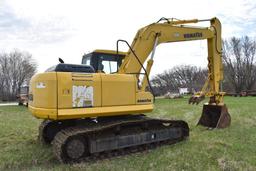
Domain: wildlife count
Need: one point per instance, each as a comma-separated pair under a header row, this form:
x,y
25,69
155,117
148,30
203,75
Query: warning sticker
x,y
82,96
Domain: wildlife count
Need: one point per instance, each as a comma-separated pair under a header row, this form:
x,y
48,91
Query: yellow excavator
x,y
97,108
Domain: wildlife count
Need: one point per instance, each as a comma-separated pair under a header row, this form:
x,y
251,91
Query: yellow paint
x,y
44,97
143,97
118,89
43,113
62,114
103,111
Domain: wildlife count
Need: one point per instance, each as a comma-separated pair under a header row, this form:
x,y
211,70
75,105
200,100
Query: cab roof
x,y
109,51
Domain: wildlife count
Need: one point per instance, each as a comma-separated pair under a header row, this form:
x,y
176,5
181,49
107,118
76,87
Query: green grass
x,y
232,148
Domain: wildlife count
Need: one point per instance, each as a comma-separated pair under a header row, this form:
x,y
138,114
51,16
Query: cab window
x,y
108,66
108,63
102,62
87,59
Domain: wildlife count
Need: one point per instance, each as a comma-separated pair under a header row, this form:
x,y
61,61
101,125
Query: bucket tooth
x,y
196,99
215,116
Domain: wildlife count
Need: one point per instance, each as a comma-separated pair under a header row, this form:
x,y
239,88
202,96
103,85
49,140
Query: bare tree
x,y
16,68
191,77
4,76
239,63
187,76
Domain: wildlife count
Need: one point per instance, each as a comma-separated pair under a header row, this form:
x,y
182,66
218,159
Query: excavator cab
x,y
105,61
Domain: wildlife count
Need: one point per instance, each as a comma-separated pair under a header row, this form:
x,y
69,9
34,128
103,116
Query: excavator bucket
x,y
215,116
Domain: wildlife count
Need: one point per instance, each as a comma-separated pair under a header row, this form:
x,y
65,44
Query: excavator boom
x,y
175,31
145,42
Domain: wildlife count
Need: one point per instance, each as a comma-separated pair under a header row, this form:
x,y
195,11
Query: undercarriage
x,y
104,137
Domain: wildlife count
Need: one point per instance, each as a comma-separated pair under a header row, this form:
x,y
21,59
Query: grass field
x,y
233,148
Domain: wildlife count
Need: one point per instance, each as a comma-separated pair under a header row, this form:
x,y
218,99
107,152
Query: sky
x,y
49,29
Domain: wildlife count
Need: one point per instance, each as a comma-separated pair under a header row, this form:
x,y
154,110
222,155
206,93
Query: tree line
x,y
16,69
239,63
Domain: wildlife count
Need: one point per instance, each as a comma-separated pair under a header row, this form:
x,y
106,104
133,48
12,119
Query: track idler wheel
x,y
215,116
48,129
44,137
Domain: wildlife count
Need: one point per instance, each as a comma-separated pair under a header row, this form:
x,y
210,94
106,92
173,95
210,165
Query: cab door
x,y
118,89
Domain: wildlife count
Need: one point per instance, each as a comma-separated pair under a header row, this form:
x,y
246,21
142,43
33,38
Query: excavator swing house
x,y
98,107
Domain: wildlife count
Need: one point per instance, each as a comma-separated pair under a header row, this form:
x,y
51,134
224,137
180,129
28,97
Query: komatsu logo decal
x,y
192,35
143,100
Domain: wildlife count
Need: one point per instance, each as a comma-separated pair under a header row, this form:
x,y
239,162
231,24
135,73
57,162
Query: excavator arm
x,y
147,39
215,113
